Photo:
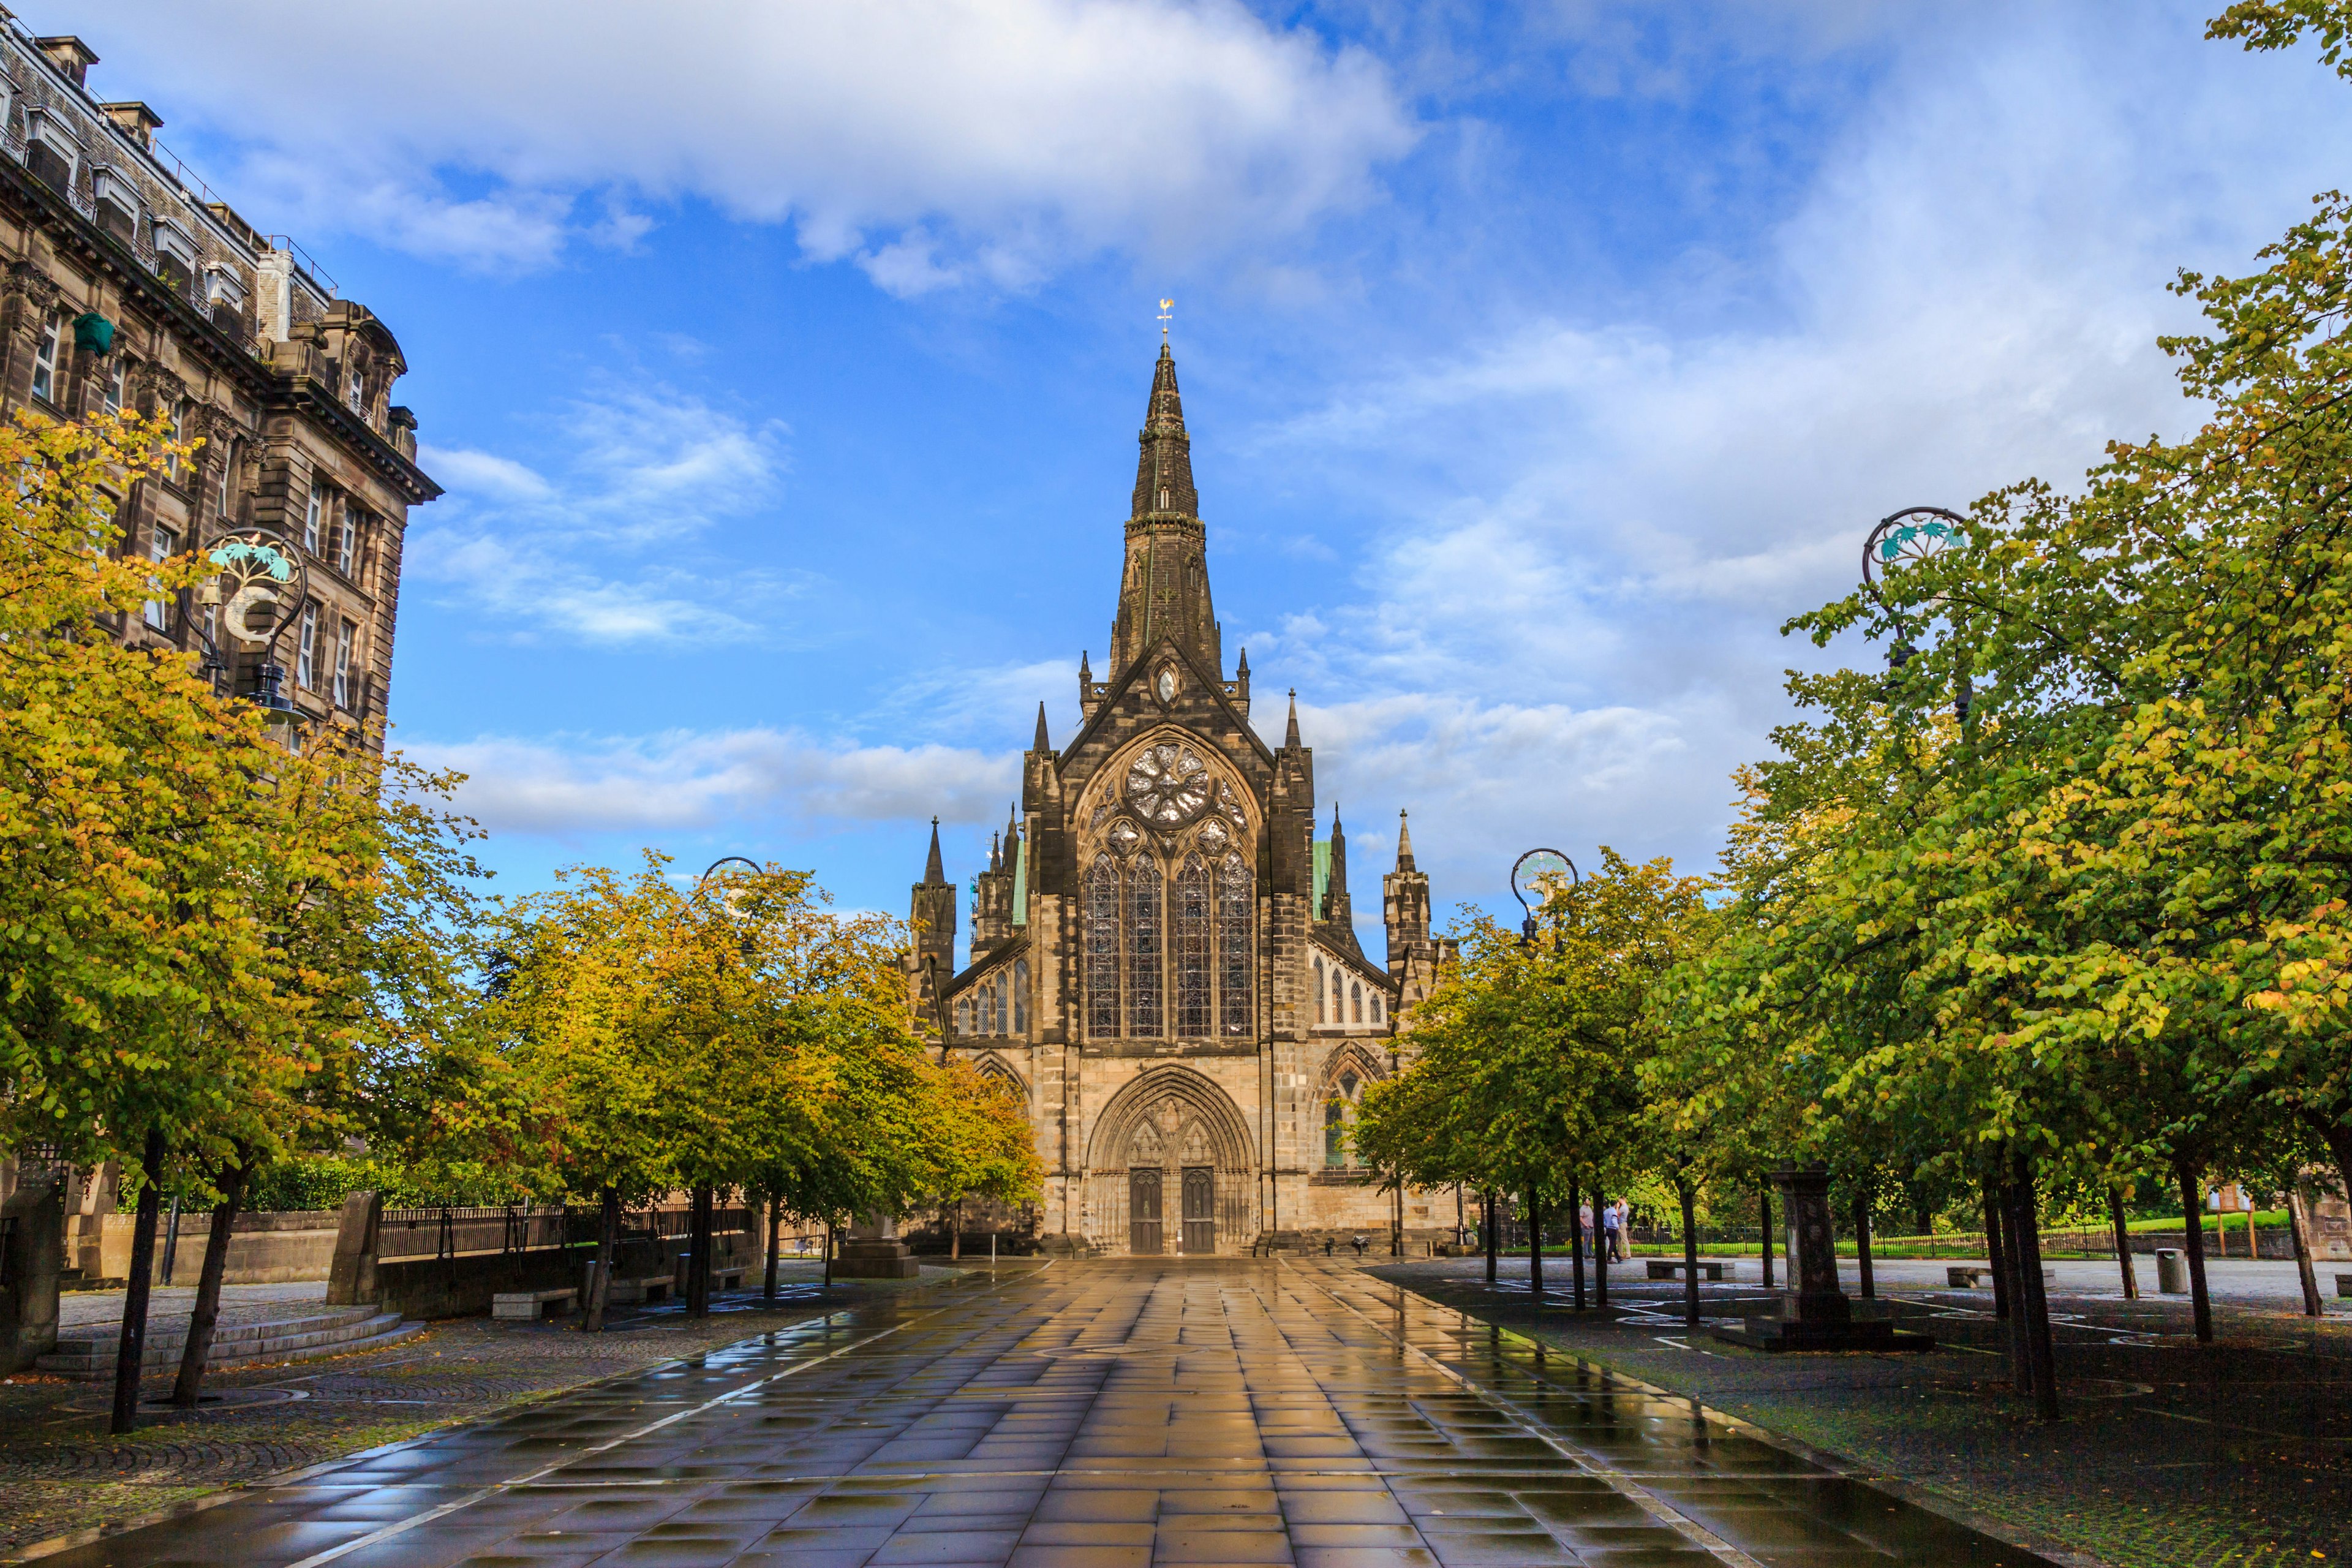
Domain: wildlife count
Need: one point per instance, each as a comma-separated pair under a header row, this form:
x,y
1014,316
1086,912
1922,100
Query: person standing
x,y
1609,1240
1584,1222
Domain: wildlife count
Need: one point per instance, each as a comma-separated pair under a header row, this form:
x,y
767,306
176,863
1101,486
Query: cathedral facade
x,y
1164,962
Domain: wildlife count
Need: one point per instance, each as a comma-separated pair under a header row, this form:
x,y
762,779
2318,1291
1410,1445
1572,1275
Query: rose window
x,y
1168,785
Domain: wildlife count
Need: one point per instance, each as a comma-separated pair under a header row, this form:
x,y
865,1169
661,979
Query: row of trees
x,y
2057,904
226,944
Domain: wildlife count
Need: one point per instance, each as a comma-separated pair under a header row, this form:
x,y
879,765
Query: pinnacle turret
x,y
1042,742
1290,731
1404,844
934,870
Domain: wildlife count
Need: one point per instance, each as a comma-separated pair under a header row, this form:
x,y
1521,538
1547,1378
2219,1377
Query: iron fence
x,y
455,1231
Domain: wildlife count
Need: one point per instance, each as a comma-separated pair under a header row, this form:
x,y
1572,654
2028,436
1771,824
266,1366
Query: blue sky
x,y
783,366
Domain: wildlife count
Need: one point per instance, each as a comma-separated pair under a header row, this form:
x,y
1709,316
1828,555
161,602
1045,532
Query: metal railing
x,y
456,1232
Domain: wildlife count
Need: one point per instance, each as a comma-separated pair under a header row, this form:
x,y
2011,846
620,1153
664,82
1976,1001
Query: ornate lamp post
x,y
1542,872
258,594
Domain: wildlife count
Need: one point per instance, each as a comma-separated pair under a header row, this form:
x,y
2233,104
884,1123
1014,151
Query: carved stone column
x,y
1814,1312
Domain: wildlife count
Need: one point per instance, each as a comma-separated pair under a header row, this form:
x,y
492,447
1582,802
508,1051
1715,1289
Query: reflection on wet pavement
x,y
1101,1415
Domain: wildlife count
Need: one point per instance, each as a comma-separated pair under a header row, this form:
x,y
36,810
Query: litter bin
x,y
2171,1273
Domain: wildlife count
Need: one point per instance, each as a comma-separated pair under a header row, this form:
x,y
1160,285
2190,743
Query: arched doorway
x,y
1172,1168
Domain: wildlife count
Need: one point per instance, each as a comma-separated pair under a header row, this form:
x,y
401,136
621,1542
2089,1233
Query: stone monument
x,y
1815,1313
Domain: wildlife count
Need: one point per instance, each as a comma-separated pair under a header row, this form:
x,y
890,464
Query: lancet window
x,y
1319,989
1021,997
1143,918
1236,910
1102,948
1192,949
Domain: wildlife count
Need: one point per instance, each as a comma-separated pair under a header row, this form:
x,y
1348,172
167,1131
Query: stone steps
x,y
89,1352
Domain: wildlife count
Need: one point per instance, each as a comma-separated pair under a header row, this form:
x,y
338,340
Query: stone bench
x,y
649,1287
527,1306
1958,1276
728,1278
1671,1268
2343,1284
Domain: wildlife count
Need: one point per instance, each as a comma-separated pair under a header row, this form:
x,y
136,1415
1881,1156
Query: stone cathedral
x,y
1164,963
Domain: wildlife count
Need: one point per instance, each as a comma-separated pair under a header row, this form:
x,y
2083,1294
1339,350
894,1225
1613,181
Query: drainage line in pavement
x,y
1620,1481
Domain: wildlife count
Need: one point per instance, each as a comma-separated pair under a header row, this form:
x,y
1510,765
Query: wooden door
x,y
1200,1209
1143,1210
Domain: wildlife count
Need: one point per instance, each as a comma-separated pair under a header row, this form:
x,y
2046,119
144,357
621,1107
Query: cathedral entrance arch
x,y
1171,1136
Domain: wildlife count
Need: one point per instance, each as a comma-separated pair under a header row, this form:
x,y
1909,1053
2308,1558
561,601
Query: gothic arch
x,y
1103,793
1171,1119
1366,1063
994,1069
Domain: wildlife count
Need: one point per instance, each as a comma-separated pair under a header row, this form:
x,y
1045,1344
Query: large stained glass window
x,y
1235,908
1102,948
1143,917
1192,948
1021,997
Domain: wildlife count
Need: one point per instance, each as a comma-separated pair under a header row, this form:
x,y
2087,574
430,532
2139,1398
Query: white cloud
x,y
605,552
935,140
572,785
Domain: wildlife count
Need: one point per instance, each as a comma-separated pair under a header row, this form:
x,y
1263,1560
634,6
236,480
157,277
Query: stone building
x,y
130,285
1164,963
126,283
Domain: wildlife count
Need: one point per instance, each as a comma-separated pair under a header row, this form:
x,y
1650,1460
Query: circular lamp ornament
x,y
1541,872
260,585
1908,537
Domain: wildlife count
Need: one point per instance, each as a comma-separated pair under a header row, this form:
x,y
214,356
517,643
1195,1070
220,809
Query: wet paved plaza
x,y
1095,1414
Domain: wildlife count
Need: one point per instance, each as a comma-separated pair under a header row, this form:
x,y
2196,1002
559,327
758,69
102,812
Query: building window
x,y
45,359
222,494
1335,1134
1376,1007
306,655
1236,908
357,395
1192,949
161,545
313,513
109,387
173,462
963,1016
346,538
346,635
1021,997
1339,1000
1102,948
1319,989
1355,997
1143,900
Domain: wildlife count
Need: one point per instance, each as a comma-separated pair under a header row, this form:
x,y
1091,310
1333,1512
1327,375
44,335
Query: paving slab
x,y
1085,1414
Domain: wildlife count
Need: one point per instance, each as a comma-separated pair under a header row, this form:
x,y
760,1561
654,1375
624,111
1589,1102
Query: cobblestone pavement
x,y
60,1471
2170,1453
1105,1415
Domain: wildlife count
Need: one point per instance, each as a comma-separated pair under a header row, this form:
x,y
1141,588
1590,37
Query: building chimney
x,y
135,121
70,56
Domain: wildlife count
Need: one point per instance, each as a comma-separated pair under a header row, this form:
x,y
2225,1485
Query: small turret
x,y
932,963
1042,742
1404,910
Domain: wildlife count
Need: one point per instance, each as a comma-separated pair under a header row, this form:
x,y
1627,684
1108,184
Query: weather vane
x,y
1165,307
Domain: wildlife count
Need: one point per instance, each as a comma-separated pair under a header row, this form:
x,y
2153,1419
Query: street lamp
x,y
258,593
1542,872
711,870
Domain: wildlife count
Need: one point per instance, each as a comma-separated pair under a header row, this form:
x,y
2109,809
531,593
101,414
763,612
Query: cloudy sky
x,y
783,365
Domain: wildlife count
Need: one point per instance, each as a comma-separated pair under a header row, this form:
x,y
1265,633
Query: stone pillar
x,y
872,1250
32,1229
1814,1313
352,1278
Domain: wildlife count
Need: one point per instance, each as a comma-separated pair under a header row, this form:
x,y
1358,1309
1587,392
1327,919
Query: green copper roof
x,y
1322,876
1021,881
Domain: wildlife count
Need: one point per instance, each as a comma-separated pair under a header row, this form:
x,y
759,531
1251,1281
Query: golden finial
x,y
1165,307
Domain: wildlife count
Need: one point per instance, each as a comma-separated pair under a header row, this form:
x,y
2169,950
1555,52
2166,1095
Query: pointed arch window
x,y
1335,1134
1021,997
1143,917
1235,908
963,1015
1102,948
1356,1000
1339,998
1192,919
1319,989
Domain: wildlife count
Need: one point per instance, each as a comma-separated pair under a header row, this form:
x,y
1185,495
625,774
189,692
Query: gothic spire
x,y
1404,844
1163,469
995,853
1045,744
1012,830
934,874
1290,733
1336,907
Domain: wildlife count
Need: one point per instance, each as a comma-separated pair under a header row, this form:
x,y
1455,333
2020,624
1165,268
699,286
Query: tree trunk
x,y
1861,1245
828,1255
2302,1239
2123,1243
1600,1248
2338,1139
608,1249
2035,1297
2193,1241
955,1233
1996,1255
205,1313
1576,1245
2020,1350
775,1236
1764,1214
130,1350
1690,1255
1493,1218
697,1255
1535,1246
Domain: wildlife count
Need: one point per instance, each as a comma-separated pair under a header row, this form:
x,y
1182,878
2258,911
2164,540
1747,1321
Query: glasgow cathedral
x,y
1164,963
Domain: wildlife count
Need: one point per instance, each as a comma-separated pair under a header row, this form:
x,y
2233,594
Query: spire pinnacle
x,y
995,853
1290,734
1011,830
1404,844
1045,744
933,873
1163,469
